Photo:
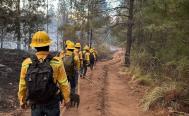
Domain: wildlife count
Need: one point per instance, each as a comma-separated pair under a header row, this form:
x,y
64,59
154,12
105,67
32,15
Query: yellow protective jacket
x,y
94,55
87,56
95,52
62,53
59,76
76,59
80,55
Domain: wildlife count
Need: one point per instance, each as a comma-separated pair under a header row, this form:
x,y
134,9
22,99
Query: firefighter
x,y
43,75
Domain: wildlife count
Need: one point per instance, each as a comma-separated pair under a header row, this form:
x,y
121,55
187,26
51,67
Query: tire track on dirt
x,y
104,88
118,100
91,96
93,91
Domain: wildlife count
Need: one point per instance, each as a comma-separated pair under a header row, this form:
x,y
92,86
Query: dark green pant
x,y
51,109
84,70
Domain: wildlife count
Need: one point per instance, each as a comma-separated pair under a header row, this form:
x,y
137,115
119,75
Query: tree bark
x,y
17,23
2,36
91,38
129,33
47,16
82,32
29,38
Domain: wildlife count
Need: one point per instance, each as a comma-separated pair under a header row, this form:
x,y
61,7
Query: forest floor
x,y
106,91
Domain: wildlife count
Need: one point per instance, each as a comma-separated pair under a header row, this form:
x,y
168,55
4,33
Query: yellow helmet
x,y
91,50
70,46
78,45
68,41
40,39
86,47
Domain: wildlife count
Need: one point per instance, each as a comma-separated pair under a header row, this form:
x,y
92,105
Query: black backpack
x,y
84,59
69,64
92,58
39,80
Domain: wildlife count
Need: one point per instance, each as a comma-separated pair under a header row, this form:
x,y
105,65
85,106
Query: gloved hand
x,y
75,100
67,104
23,106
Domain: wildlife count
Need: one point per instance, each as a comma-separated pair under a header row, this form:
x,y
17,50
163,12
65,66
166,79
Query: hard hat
x,y
70,46
86,47
68,41
78,45
40,39
91,50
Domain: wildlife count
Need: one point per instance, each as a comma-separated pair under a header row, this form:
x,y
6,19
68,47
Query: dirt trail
x,y
105,93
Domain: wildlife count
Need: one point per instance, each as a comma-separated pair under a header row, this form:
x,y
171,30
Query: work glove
x,y
67,105
23,106
75,100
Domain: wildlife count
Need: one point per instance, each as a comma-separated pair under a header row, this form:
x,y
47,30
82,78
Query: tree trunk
x,y
91,38
17,23
57,41
82,32
88,26
2,36
47,16
129,33
29,38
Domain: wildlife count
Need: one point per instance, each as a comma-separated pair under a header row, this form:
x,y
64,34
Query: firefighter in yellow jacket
x,y
80,54
92,58
62,53
40,71
86,59
96,55
72,66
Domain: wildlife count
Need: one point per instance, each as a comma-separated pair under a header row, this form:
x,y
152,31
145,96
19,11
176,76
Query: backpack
x,y
83,55
69,64
92,58
39,81
85,63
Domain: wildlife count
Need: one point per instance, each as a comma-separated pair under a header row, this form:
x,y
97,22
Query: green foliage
x,y
160,51
22,21
161,44
145,80
70,31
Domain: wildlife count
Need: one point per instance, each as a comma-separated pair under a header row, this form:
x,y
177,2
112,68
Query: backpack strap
x,y
49,57
83,54
34,59
73,55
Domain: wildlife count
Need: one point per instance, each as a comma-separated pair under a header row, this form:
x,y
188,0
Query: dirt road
x,y
105,93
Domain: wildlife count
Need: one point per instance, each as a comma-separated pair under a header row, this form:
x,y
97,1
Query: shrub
x,y
163,95
104,52
145,80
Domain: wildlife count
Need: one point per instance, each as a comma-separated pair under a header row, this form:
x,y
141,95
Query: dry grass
x,y
144,80
162,95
